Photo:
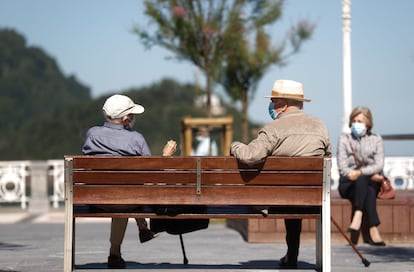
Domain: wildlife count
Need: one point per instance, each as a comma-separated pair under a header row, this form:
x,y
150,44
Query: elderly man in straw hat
x,y
117,138
292,133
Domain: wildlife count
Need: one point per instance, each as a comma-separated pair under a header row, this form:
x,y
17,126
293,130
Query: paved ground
x,y
35,244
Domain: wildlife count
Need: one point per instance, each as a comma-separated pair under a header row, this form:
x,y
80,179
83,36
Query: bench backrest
x,y
190,180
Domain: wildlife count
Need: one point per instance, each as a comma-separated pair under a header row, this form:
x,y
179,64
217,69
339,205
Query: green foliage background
x,y
45,114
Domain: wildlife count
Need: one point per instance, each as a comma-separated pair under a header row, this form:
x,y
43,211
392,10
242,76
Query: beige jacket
x,y
293,134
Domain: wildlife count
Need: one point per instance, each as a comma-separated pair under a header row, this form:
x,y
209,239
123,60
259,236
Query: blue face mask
x,y
272,112
358,129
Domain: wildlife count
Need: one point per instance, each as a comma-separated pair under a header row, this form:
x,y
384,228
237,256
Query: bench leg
x,y
323,246
318,243
69,244
323,226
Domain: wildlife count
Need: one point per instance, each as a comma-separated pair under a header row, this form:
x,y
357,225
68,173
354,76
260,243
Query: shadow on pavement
x,y
390,254
9,246
262,264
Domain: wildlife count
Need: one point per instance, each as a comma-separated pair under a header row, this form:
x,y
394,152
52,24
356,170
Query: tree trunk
x,y
207,73
208,87
245,123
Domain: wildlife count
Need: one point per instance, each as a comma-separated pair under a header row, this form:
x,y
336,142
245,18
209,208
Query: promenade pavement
x,y
35,243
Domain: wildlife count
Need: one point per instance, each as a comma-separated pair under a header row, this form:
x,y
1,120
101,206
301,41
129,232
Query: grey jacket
x,y
369,149
292,134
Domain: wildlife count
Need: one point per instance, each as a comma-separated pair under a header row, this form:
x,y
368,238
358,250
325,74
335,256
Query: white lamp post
x,y
347,80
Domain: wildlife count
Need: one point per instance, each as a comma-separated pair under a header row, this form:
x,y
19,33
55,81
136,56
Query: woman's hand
x,y
169,148
377,178
354,175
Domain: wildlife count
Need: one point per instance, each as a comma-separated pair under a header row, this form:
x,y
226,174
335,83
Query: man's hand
x,y
169,148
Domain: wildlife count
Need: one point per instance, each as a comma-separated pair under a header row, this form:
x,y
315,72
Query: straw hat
x,y
288,89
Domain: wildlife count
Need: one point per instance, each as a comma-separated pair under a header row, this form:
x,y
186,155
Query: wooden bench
x,y
293,187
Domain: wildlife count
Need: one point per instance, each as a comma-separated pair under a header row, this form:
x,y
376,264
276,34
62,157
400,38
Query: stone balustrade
x,y
34,185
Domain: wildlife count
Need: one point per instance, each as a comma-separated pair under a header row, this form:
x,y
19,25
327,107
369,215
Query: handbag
x,y
386,190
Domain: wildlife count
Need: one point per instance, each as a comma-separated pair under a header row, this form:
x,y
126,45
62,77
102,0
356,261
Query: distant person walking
x,y
205,145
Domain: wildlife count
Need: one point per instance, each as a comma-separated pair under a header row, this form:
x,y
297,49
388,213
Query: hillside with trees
x,y
45,114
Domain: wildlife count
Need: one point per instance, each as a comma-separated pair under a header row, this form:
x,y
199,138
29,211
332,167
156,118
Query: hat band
x,y
275,93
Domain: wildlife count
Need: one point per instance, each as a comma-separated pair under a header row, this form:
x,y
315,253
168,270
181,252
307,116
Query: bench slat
x,y
271,163
209,212
210,195
198,216
134,163
208,177
190,162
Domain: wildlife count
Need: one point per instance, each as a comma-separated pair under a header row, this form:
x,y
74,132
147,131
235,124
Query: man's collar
x,y
291,112
112,125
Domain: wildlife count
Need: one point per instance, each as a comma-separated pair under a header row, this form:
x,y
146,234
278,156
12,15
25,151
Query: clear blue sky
x,y
92,40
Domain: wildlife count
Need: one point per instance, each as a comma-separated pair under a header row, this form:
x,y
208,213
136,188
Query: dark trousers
x,y
293,230
363,195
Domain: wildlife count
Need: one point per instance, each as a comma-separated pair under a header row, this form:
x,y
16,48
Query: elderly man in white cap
x,y
117,138
292,133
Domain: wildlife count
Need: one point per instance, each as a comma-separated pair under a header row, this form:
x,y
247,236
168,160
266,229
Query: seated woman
x,y
360,157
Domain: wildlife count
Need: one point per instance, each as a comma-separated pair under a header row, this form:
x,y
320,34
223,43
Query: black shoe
x,y
146,235
116,262
286,262
372,243
354,236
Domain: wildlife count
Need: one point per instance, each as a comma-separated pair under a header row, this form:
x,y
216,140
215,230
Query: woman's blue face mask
x,y
358,129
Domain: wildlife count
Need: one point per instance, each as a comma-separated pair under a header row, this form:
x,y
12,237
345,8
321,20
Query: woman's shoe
x,y
354,236
372,243
374,233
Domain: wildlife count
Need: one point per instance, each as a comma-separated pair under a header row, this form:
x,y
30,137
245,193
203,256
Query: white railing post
x,y
57,174
39,202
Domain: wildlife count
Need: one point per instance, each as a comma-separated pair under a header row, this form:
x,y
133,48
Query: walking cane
x,y
364,261
185,260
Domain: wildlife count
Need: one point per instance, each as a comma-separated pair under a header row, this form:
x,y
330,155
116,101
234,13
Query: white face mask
x,y
358,129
